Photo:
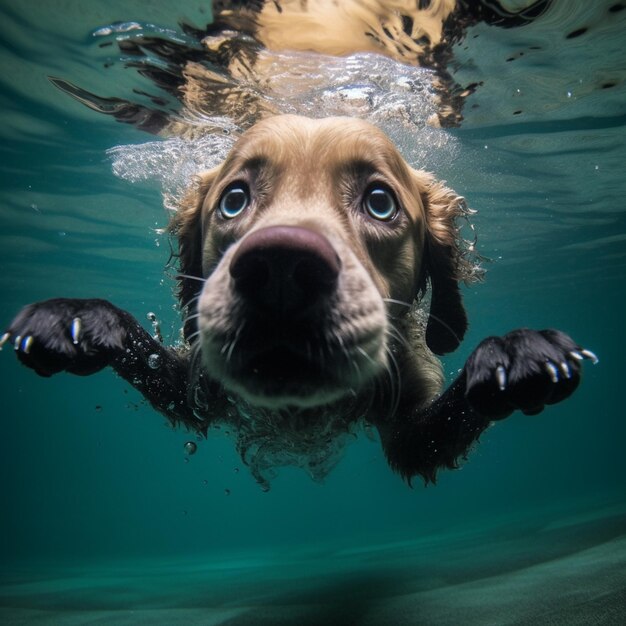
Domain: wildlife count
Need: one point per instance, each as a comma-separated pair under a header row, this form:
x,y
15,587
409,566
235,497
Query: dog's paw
x,y
525,370
78,336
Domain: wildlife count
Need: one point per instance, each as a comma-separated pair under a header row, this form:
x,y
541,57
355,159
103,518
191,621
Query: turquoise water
x,y
106,519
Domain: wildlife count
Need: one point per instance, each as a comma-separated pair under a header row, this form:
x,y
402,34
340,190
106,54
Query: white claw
x,y
27,344
501,377
588,354
567,372
76,328
553,371
4,339
16,343
576,355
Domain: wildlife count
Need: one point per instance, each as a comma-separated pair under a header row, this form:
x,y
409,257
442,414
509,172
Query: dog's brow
x,y
253,164
359,168
362,167
384,165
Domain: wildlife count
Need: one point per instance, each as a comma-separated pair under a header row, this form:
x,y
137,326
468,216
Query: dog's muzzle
x,y
289,319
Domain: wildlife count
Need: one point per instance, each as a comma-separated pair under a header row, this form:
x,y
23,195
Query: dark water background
x,y
105,517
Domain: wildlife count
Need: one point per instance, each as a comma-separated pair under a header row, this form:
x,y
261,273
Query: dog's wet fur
x,y
304,260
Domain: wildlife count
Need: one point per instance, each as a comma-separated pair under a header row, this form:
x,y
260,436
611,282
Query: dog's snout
x,y
285,269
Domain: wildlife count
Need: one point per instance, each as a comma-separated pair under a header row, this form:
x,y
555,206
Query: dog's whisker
x,y
392,302
395,382
400,302
394,333
194,316
234,342
231,347
190,307
365,354
193,335
191,301
190,277
346,355
195,353
356,367
446,326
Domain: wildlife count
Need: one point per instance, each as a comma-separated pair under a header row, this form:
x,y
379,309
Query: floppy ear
x,y
186,225
444,265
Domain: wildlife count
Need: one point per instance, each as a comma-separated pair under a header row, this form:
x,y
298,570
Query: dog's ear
x,y
186,226
443,264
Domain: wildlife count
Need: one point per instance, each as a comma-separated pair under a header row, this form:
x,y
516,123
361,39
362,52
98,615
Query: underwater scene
x,y
117,512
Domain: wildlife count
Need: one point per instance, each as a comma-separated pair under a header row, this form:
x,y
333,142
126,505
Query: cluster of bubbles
x,y
396,97
171,163
268,440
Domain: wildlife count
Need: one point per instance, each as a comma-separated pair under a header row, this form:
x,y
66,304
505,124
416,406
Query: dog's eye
x,y
234,200
380,203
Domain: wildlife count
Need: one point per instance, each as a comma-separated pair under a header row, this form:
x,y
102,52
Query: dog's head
x,y
304,238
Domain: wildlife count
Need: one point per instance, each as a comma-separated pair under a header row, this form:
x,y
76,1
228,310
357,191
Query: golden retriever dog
x,y
304,261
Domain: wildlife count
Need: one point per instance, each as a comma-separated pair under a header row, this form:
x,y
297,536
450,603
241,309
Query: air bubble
x,y
156,326
154,361
190,447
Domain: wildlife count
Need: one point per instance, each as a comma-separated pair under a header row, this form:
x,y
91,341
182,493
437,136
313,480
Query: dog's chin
x,y
281,379
281,399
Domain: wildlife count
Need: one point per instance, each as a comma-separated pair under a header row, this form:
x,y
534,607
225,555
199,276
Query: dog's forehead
x,y
288,139
320,157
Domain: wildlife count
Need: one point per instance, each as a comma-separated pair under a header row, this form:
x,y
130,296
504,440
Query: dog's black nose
x,y
285,269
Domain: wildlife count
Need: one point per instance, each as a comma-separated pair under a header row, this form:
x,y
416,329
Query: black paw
x,y
78,336
525,370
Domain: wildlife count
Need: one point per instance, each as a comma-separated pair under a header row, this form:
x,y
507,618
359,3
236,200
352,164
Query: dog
x,y
304,260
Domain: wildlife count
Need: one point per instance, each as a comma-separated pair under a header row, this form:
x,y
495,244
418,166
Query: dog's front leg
x,y
420,442
523,370
84,336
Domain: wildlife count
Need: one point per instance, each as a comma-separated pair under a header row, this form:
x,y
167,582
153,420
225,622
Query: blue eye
x,y
234,201
380,203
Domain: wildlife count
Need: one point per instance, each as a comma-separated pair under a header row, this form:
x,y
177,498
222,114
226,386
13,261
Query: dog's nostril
x,y
251,272
285,269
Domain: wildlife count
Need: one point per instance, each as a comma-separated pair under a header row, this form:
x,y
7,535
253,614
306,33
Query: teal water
x,y
105,519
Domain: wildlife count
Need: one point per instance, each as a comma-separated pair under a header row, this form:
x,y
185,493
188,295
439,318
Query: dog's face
x,y
306,236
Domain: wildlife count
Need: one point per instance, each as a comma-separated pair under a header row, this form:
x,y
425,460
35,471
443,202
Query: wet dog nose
x,y
285,269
